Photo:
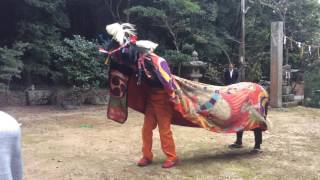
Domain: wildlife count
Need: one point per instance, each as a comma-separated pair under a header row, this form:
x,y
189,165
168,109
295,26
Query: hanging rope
x,y
302,46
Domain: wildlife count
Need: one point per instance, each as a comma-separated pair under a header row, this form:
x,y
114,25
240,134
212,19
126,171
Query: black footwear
x,y
256,151
235,146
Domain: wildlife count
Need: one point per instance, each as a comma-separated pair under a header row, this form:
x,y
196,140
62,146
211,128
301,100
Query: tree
x,y
180,27
41,26
212,28
80,62
171,15
11,63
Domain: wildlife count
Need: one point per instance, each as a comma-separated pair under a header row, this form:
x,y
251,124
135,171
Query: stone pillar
x,y
276,64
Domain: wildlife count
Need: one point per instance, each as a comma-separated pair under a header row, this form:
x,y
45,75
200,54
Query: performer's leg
x,y
164,116
257,138
149,125
239,137
238,143
163,112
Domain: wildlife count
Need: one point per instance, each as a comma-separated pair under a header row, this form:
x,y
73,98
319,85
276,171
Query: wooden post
x,y
242,48
276,64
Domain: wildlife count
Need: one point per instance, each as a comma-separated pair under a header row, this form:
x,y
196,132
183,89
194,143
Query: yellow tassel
x,y
106,62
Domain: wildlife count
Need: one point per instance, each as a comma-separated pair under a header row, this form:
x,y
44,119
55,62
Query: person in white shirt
x,y
10,148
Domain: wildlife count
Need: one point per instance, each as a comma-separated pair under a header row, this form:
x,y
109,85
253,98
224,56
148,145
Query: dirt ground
x,y
83,145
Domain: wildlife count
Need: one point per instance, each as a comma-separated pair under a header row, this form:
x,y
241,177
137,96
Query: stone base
x,y
12,98
38,97
286,89
290,104
288,98
71,99
63,97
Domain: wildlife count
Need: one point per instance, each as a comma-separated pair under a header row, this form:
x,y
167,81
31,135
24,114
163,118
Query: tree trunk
x,y
117,10
173,35
128,13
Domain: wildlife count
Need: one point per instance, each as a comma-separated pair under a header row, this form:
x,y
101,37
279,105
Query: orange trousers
x,y
158,112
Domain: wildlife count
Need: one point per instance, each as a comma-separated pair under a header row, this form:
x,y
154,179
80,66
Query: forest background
x,y
54,43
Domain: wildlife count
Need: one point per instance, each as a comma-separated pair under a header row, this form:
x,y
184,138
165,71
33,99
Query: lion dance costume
x,y
223,109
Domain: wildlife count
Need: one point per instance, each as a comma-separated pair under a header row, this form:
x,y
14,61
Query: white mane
x,y
146,44
121,32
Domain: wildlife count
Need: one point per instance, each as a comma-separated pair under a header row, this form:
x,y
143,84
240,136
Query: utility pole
x,y
242,48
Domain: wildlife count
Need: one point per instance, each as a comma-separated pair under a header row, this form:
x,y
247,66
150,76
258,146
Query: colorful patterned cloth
x,y
230,108
226,109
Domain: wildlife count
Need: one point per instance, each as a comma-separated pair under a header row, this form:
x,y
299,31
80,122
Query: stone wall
x,y
72,98
65,97
38,97
12,98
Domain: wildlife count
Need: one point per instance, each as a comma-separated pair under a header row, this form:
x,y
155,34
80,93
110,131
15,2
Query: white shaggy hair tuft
x,y
121,32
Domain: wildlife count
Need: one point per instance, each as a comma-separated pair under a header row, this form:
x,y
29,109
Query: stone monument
x,y
192,69
287,95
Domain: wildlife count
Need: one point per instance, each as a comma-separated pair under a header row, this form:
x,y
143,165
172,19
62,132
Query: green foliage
x,y
187,48
255,72
181,26
41,38
147,12
301,23
174,58
10,63
212,28
213,75
181,7
80,62
173,16
167,9
50,12
312,86
41,27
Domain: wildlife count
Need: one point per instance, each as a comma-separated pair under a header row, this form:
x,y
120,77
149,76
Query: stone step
x,y
286,89
288,98
290,104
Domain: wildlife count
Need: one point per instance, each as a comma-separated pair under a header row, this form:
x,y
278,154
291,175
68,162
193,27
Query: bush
x,y
80,62
174,57
312,86
11,63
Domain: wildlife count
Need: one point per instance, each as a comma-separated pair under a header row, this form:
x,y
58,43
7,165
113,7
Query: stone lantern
x,y
191,69
195,56
287,96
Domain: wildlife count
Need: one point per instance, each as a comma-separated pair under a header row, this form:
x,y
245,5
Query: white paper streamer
x,y
309,50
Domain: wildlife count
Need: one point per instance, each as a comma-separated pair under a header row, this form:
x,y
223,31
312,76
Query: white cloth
x,y
10,148
231,73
